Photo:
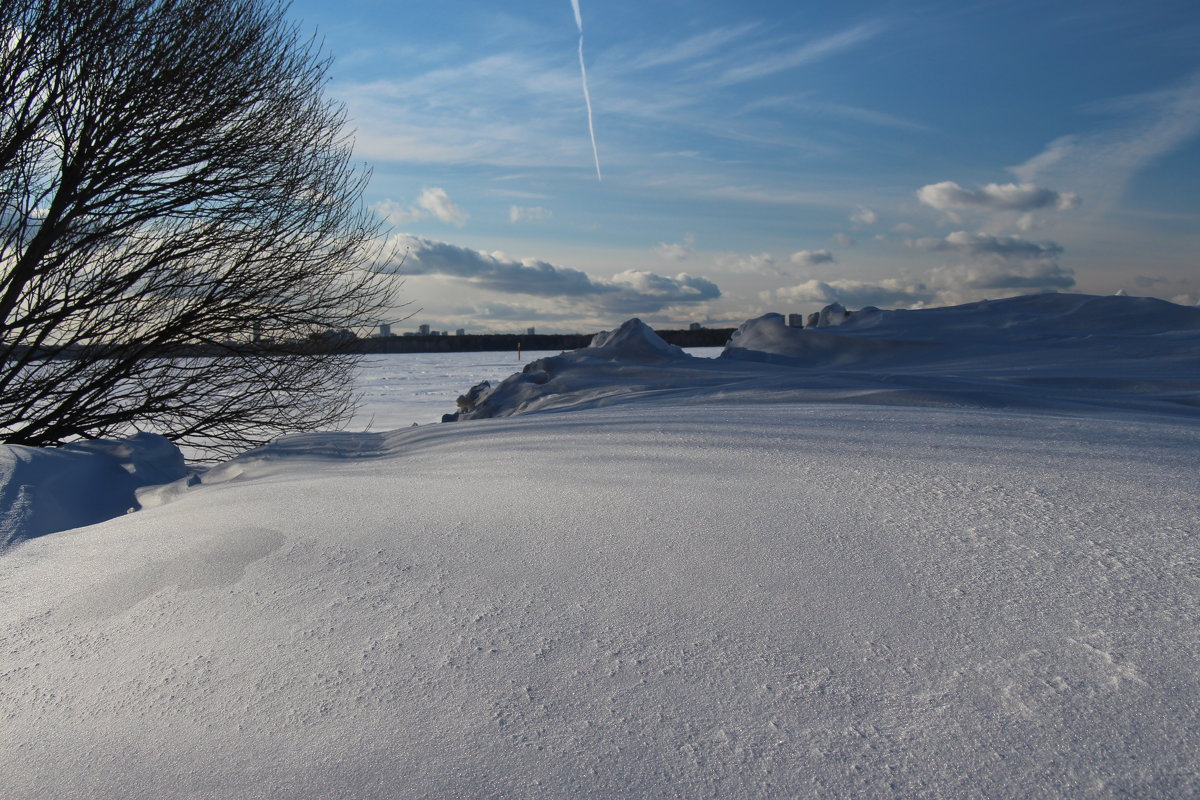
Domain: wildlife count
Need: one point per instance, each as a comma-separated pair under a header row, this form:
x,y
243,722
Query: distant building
x,y
529,332
695,326
461,332
385,329
443,333
795,320
423,330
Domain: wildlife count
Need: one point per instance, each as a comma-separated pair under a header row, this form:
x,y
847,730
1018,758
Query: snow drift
x,y
45,490
1074,353
712,578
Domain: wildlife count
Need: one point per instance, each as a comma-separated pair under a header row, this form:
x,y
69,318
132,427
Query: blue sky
x,y
769,156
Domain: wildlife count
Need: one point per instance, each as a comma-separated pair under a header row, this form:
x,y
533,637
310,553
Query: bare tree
x,y
181,225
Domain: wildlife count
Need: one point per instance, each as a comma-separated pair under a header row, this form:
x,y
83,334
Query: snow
x,y
48,490
398,390
737,578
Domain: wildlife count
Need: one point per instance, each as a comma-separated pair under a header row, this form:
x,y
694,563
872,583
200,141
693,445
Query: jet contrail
x,y
587,97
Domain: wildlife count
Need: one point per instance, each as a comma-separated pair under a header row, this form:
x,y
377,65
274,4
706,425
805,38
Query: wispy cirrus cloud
x,y
801,54
1143,128
534,214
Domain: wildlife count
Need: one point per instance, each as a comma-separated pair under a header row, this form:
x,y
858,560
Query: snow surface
x,y
400,389
738,578
45,490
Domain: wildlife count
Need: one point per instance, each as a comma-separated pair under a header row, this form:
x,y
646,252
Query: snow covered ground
x,y
806,569
400,389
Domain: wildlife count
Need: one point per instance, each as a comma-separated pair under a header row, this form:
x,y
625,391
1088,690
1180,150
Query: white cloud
x,y
853,294
439,204
948,195
434,203
980,244
676,251
752,264
1101,164
397,214
629,292
1026,276
807,53
864,216
536,214
811,258
844,239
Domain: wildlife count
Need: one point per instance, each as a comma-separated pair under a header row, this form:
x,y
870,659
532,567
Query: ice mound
x,y
610,362
45,490
1038,327
634,340
1074,353
769,339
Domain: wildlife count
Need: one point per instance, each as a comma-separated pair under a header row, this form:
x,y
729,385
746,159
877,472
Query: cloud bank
x,y
854,294
628,292
981,244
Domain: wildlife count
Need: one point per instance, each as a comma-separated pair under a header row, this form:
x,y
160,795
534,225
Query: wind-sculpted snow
x,y
1071,353
586,377
724,578
45,490
800,601
634,340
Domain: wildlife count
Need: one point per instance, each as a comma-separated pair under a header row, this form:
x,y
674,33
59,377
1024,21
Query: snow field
x,y
799,601
938,554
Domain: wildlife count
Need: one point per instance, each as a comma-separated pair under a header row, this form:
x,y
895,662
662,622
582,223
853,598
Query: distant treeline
x,y
346,342
706,337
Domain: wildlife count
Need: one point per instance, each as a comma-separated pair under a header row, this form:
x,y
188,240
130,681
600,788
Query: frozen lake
x,y
402,388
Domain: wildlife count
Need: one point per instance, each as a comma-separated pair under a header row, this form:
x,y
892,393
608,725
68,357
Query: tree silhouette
x,y
181,225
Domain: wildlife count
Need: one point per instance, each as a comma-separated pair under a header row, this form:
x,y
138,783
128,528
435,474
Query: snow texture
x,y
729,578
44,490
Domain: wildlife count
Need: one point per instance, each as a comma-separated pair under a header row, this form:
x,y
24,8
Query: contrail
x,y
587,97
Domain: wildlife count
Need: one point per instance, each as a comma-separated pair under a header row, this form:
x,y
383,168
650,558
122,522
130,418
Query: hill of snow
x,y
739,578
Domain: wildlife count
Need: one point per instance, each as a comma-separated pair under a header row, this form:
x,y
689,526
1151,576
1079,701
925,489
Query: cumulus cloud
x,y
529,214
810,258
853,294
629,292
948,195
979,244
1034,275
676,251
864,216
997,264
434,203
